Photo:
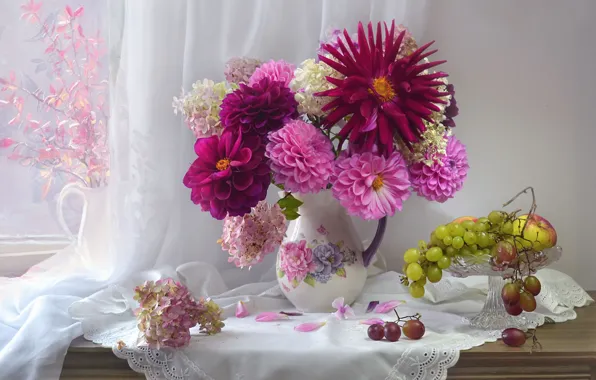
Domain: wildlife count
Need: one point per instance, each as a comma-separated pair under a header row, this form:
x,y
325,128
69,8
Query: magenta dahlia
x,y
383,94
280,71
258,109
371,186
451,110
441,180
230,175
301,157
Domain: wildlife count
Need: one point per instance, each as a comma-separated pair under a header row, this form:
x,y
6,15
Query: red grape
x,y
527,301
414,329
513,337
532,285
392,331
513,309
375,332
510,293
505,251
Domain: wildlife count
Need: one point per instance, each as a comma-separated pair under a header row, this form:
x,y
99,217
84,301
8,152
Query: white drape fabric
x,y
156,47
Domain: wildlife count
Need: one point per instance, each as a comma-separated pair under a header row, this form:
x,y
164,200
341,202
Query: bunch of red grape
x,y
413,329
521,295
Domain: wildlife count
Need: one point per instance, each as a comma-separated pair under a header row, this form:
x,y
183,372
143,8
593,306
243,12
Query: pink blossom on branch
x,y
60,130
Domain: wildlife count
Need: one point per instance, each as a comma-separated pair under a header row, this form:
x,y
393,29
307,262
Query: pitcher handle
x,y
369,252
71,189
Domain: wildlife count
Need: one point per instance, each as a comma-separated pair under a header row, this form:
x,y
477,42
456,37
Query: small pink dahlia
x,y
371,186
278,71
296,260
301,157
441,180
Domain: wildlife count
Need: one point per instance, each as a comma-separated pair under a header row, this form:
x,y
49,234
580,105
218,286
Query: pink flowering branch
x,y
71,142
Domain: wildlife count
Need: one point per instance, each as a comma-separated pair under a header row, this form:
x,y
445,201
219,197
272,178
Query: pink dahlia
x,y
249,238
230,175
441,180
296,260
301,157
239,69
371,186
280,71
258,109
384,95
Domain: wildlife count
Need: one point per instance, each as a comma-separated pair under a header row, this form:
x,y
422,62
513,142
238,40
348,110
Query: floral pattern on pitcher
x,y
314,262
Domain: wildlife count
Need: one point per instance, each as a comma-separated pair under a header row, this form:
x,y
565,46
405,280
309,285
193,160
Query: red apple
x,y
538,235
462,219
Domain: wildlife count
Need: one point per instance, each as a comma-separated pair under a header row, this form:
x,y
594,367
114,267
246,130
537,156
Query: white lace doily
x,y
249,350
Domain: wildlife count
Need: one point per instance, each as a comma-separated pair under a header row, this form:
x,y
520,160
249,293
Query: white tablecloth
x,y
251,350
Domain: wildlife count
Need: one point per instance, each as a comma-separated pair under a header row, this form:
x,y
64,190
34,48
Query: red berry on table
x,y
376,332
414,329
392,331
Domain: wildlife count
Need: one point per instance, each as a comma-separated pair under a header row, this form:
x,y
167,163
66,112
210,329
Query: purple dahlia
x,y
230,175
258,109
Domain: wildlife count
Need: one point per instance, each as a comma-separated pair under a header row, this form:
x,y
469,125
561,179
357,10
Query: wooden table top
x,y
569,346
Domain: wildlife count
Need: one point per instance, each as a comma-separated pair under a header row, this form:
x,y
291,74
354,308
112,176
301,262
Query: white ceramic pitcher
x,y
322,257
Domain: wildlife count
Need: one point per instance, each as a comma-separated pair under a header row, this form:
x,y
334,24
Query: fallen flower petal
x,y
387,306
269,316
309,326
373,321
371,306
291,313
241,310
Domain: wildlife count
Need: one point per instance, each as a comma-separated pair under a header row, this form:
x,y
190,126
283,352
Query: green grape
x,y
434,254
422,245
441,232
414,271
507,228
481,227
486,251
458,242
416,290
434,273
457,230
492,240
482,239
434,240
447,240
422,281
450,251
468,224
412,255
473,247
465,251
496,217
444,262
482,220
470,238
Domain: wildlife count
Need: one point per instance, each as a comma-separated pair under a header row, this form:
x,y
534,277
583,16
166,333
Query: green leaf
x,y
280,273
295,283
289,202
290,214
341,272
280,186
310,280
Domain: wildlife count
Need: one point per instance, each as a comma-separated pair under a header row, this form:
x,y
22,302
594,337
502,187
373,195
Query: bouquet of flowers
x,y
369,118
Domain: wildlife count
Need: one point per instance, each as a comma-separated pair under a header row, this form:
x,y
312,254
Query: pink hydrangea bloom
x,y
239,69
249,238
443,179
371,186
301,157
167,312
279,71
296,260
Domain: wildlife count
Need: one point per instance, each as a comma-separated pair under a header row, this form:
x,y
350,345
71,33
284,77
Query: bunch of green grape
x,y
466,236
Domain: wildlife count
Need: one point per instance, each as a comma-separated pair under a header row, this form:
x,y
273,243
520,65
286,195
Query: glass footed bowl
x,y
493,315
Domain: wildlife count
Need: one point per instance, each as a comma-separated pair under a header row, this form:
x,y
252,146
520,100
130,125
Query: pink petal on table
x,y
371,306
269,316
291,313
241,310
373,321
386,307
309,326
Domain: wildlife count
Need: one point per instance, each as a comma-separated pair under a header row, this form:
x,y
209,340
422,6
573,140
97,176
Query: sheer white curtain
x,y
147,221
